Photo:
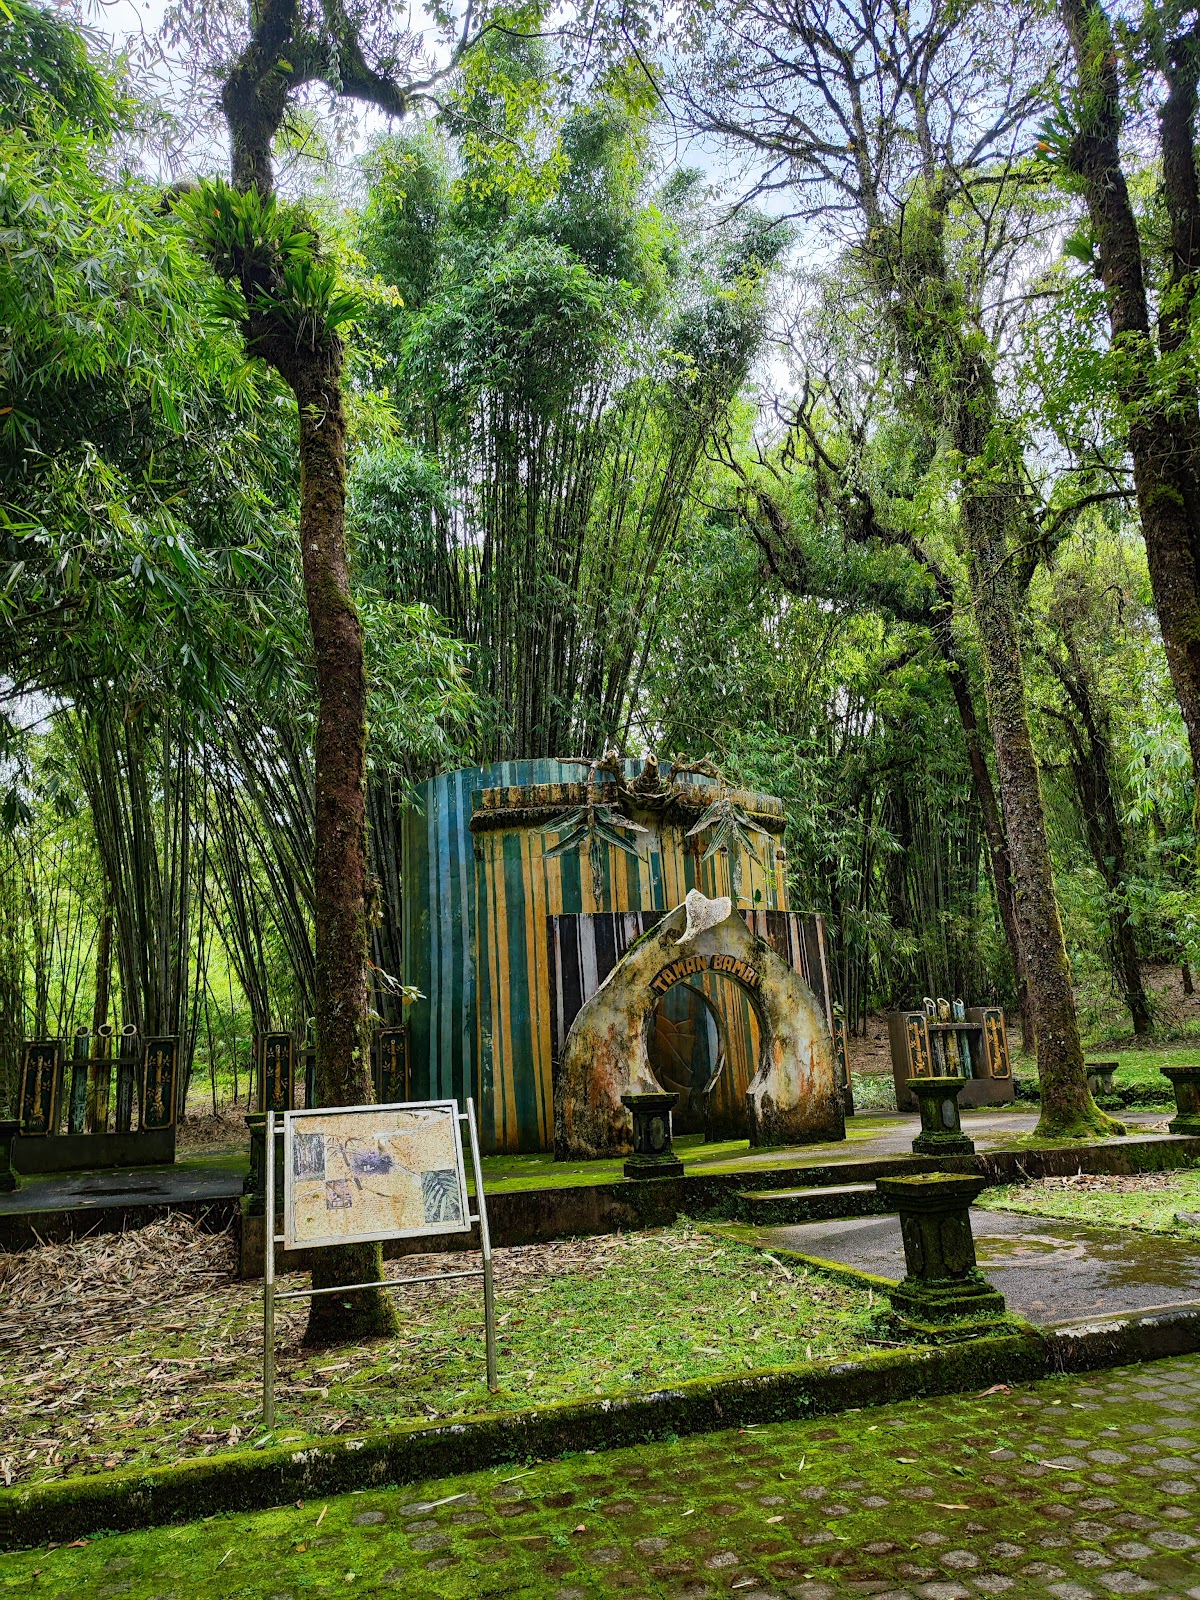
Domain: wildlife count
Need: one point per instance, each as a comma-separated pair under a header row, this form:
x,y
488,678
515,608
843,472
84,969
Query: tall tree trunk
x,y
279,56
1160,449
993,830
1092,767
340,923
103,967
1067,1107
930,314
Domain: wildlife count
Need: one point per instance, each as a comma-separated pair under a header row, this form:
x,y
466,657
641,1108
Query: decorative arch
x,y
792,1098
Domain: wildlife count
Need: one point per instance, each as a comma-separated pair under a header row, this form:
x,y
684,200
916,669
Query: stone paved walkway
x,y
1074,1489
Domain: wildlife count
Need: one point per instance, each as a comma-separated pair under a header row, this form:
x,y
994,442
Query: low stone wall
x,y
536,1216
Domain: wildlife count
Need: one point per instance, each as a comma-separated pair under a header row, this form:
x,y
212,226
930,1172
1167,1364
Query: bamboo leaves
x,y
730,828
732,831
596,824
597,821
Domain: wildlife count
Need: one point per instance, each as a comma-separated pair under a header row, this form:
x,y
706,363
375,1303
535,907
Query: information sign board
x,y
373,1172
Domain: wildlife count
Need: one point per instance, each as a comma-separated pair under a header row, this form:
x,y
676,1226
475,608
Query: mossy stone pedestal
x,y
8,1132
653,1156
1186,1083
942,1282
941,1126
1100,1076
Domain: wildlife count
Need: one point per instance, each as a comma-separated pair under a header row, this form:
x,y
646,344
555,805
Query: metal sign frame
x,y
447,1108
271,1295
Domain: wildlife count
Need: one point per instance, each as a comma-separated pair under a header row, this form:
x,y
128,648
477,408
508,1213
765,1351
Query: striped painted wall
x,y
476,940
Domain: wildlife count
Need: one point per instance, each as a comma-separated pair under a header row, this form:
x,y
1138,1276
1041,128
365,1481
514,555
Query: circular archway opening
x,y
703,1042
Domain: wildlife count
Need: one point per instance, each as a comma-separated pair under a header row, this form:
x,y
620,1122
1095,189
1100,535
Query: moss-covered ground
x,y
1069,1489
1155,1202
1138,1081
540,1170
117,1353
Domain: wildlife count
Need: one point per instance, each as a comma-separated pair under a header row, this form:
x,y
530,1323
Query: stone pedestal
x,y
652,1155
8,1132
1100,1076
941,1129
1186,1083
942,1281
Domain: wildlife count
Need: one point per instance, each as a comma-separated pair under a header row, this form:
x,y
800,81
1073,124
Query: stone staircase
x,y
773,1208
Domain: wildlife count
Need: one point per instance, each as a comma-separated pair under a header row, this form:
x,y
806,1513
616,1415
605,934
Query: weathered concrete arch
x,y
793,1097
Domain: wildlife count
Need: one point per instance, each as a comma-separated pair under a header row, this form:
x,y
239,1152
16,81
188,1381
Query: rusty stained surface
x,y
792,1098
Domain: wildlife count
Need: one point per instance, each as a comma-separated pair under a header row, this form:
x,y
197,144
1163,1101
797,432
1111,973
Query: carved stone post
x,y
77,1104
942,1281
652,1155
941,1128
1186,1083
126,1077
1100,1076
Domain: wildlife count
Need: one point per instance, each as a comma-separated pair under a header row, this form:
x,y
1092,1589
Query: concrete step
x,y
822,1202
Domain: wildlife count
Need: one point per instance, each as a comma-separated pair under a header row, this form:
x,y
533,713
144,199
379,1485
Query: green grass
x,y
135,1384
1152,1202
1138,1081
539,1170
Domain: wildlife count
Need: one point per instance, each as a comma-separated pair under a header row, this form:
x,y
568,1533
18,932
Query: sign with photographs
x,y
373,1172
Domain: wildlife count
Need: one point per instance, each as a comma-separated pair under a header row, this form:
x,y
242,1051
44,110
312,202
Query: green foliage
x,y
565,349
269,264
46,72
846,718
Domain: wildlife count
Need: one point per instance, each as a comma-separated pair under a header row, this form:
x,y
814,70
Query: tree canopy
x,y
809,391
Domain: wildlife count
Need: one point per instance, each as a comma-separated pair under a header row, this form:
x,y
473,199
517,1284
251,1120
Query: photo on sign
x,y
373,1172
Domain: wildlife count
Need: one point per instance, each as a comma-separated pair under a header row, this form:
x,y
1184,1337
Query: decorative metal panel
x,y
160,1070
41,1076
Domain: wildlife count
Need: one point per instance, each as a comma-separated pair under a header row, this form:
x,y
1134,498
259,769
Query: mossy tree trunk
x,y
1093,772
1160,406
934,330
1067,1107
340,919
280,56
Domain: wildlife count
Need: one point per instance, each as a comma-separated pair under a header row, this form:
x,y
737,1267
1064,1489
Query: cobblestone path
x,y
1071,1488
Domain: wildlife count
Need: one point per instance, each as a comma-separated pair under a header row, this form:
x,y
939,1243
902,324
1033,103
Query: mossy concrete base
x,y
937,1303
